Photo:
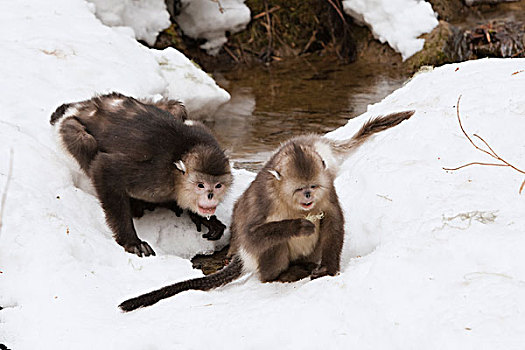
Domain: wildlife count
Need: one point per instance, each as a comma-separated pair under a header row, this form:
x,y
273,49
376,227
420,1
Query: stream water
x,y
303,95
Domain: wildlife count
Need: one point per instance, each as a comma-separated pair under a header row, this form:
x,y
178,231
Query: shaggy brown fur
x,y
139,155
288,224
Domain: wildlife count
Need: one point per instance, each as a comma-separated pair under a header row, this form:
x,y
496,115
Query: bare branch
x,y
6,188
221,9
473,163
465,133
498,157
490,152
338,11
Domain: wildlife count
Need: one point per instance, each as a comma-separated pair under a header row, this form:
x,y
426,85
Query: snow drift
x,y
397,22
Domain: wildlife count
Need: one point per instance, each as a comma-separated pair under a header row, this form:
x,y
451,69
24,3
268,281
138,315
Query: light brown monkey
x,y
139,155
288,224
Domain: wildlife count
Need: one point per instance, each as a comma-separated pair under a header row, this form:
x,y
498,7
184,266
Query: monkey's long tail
x,y
217,279
372,126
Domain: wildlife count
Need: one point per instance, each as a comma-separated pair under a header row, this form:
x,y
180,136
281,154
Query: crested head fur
x,y
299,174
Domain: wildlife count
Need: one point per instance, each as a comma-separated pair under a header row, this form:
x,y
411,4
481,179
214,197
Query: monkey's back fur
x,y
130,150
121,125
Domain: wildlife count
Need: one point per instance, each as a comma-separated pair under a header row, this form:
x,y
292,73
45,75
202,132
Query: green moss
x,y
435,50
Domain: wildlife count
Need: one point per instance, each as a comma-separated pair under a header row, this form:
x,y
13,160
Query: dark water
x,y
271,104
509,12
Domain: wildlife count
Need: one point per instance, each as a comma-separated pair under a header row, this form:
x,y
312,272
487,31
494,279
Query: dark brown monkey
x,y
140,154
288,224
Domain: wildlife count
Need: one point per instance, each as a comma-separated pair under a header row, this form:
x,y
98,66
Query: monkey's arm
x,y
138,207
332,236
275,232
215,227
116,205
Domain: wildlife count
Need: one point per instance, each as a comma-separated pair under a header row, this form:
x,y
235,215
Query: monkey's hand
x,y
173,206
303,227
139,248
215,227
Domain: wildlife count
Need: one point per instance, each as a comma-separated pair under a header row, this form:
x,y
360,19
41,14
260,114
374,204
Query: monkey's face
x,y
203,178
302,179
307,195
201,193
208,193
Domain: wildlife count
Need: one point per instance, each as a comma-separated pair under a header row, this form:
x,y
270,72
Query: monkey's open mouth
x,y
307,205
207,210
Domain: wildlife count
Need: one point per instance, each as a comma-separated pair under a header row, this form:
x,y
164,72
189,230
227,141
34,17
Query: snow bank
x,y
147,18
210,20
398,22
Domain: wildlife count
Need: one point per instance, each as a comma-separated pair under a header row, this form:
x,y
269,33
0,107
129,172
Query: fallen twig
x,y
262,14
229,52
268,27
490,151
6,188
221,9
338,10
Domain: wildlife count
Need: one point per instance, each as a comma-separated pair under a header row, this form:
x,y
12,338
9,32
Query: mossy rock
x,y
436,50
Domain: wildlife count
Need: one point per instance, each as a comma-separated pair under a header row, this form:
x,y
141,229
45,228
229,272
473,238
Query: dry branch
x,y
263,14
490,151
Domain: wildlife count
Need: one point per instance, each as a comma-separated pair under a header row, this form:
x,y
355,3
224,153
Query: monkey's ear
x,y
180,165
275,173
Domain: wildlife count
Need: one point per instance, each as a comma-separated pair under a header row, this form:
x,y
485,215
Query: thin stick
x,y
262,14
269,29
491,152
498,157
221,9
229,52
474,163
465,133
337,10
6,188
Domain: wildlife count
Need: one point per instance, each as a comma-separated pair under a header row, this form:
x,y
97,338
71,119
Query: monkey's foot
x,y
140,248
296,272
322,271
215,227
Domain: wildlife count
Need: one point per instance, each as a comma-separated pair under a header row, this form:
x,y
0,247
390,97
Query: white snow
x,y
397,22
432,259
211,19
70,56
146,17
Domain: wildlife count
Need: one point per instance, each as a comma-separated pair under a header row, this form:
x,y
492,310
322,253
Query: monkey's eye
x,y
218,186
200,185
314,186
